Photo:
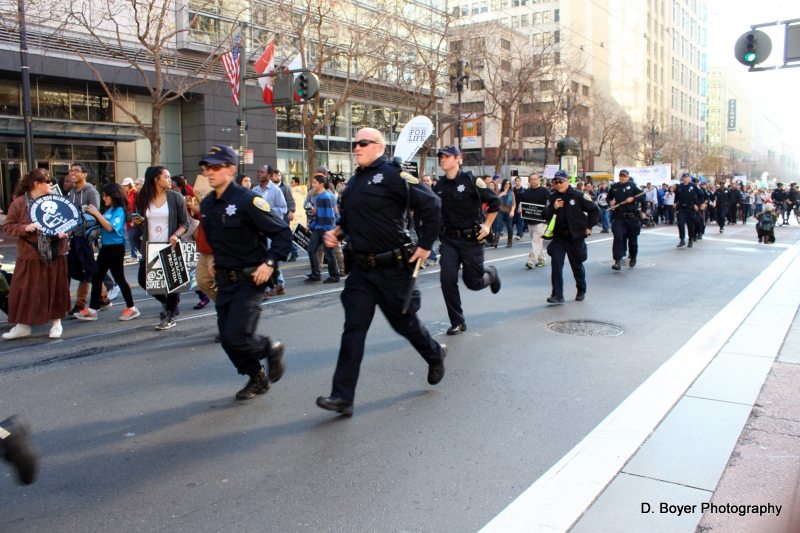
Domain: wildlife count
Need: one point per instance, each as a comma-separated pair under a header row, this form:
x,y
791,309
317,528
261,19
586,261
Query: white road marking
x,y
559,498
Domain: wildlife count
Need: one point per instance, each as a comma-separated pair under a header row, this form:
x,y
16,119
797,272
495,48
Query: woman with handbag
x,y
163,219
506,215
40,290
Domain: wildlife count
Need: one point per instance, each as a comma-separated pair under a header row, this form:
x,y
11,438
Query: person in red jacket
x,y
134,232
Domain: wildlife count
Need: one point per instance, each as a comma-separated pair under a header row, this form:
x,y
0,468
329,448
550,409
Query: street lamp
x,y
459,76
655,131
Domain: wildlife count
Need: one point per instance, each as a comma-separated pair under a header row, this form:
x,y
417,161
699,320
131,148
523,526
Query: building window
x,y
648,98
525,20
574,87
556,15
586,91
557,36
505,65
557,58
546,85
505,44
476,85
515,22
546,17
484,7
648,68
455,46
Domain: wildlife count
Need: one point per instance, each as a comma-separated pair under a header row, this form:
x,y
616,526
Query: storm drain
x,y
585,328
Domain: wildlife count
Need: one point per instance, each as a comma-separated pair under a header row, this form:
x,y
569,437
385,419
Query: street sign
x,y
248,157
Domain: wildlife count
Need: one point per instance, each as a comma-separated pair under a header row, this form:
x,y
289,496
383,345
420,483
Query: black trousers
x,y
455,253
699,222
169,301
315,242
577,252
238,312
722,215
733,211
686,217
626,236
363,290
111,258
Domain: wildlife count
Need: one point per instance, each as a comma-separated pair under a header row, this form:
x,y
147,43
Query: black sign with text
x,y
175,273
412,168
301,236
55,214
532,212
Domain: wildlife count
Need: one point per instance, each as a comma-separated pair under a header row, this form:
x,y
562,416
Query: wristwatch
x,y
271,263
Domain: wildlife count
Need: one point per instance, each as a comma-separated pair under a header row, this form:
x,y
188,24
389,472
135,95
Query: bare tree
x,y
141,34
601,127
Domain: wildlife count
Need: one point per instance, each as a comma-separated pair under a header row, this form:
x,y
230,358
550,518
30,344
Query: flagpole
x,y
242,92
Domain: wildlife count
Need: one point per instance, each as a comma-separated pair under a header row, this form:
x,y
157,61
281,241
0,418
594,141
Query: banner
x,y
549,171
412,137
301,236
56,214
532,212
469,138
201,187
656,174
179,275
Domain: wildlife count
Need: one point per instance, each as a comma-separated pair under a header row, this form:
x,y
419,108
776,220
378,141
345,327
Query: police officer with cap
x,y
575,214
237,223
722,202
627,199
687,200
779,197
700,214
462,234
375,208
791,200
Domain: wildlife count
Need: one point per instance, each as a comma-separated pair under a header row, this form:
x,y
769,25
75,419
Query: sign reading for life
x,y
412,137
171,270
54,213
301,236
532,212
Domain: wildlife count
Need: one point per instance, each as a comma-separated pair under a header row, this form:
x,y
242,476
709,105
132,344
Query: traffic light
x,y
752,48
306,85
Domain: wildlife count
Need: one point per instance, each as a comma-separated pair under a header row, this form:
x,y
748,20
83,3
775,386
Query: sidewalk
x,y
699,453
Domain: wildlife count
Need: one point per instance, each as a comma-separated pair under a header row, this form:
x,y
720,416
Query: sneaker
x,y
530,264
104,306
166,323
129,314
75,310
517,237
56,331
131,260
113,293
20,330
88,314
541,264
204,301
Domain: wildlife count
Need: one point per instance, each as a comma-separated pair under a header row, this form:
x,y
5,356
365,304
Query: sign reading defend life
x,y
56,214
171,270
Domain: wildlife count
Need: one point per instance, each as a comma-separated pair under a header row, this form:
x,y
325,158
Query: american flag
x,y
230,62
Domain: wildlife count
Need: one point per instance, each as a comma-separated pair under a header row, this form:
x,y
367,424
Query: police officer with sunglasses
x,y
375,208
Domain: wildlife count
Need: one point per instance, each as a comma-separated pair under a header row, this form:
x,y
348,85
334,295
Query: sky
x,y
776,92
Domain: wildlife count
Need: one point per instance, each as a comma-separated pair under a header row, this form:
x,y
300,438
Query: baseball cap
x,y
686,174
449,150
561,175
497,177
625,172
127,182
139,181
219,154
322,170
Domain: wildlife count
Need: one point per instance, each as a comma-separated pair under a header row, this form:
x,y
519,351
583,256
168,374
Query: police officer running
x,y
628,200
569,236
700,214
462,234
379,258
237,223
722,202
779,198
687,201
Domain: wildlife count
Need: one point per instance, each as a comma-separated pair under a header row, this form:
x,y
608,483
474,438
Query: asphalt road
x,y
138,430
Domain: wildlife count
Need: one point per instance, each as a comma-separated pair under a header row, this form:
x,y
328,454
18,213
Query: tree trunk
x,y
311,149
155,137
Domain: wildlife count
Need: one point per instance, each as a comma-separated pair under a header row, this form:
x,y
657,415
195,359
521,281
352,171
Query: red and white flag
x,y
265,65
230,63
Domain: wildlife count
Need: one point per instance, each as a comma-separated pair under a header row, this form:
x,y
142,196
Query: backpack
x,y
766,223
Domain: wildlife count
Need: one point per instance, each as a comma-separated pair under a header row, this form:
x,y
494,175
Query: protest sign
x,y
412,137
656,174
550,171
532,212
301,236
56,214
181,279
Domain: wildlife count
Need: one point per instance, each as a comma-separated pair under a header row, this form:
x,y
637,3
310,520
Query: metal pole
x,y
242,93
460,87
26,86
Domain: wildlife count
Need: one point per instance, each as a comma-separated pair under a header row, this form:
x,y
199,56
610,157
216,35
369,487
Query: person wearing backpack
x,y
765,227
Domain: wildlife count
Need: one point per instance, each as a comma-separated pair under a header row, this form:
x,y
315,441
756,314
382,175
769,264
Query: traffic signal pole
x,y
242,94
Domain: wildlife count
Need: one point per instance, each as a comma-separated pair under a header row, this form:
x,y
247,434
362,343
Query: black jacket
x,y
688,196
619,192
779,196
462,198
581,212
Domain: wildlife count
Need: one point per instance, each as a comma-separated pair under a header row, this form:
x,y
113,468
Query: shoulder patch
x,y
480,183
587,197
261,204
409,178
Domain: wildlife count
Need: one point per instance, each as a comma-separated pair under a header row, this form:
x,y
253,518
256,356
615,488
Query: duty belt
x,y
229,277
390,259
685,206
627,215
469,234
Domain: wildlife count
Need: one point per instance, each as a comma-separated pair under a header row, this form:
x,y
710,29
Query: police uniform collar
x,y
229,190
381,160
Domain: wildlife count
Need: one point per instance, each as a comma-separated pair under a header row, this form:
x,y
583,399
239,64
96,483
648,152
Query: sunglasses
x,y
556,181
217,167
363,143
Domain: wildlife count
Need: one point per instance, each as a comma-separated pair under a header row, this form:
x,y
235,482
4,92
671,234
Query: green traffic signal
x,y
752,48
750,57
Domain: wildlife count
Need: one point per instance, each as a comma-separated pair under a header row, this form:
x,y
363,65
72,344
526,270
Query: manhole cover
x,y
585,328
624,263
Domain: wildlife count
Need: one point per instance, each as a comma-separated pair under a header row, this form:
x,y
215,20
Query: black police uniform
x,y
722,202
461,199
735,196
569,236
237,226
686,198
700,214
779,197
792,196
373,217
627,218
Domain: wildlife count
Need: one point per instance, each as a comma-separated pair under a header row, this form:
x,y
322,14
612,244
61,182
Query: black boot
x,y
336,404
495,285
17,449
510,237
496,238
632,262
616,265
258,384
682,243
275,362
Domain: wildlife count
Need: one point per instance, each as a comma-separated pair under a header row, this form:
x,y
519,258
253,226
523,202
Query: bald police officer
x,y
627,200
374,213
237,223
463,231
